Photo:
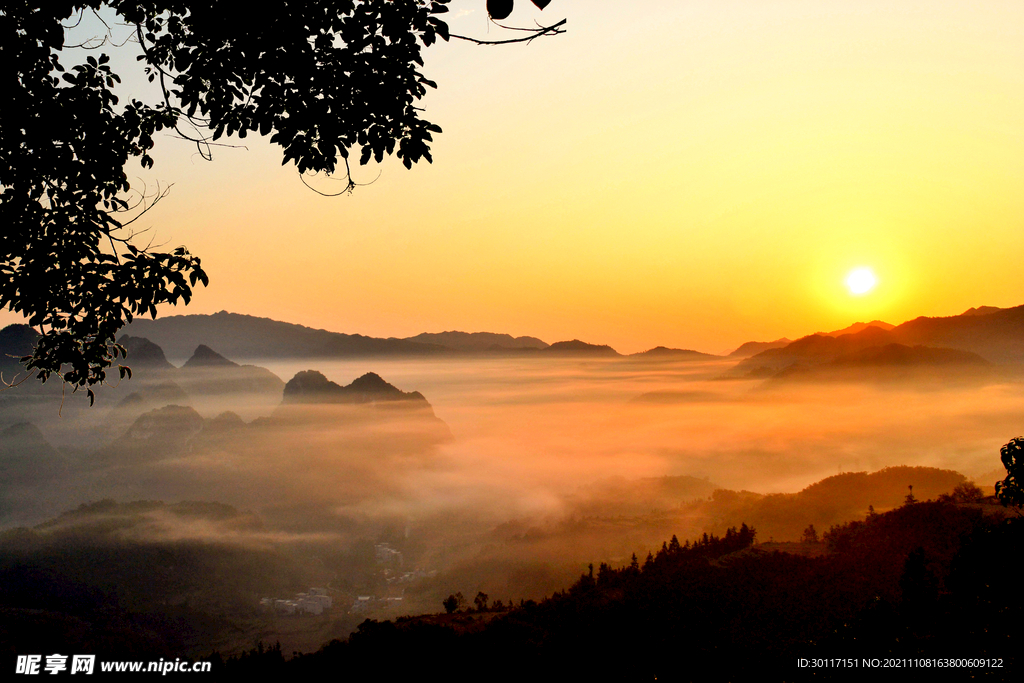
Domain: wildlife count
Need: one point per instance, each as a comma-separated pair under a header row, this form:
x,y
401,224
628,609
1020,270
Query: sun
x,y
861,281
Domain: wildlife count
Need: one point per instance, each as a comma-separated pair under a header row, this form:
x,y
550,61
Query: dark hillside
x,y
922,581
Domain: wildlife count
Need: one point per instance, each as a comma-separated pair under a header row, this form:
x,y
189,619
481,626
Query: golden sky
x,y
687,174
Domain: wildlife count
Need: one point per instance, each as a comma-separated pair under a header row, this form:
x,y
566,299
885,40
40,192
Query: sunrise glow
x,y
860,281
654,331
672,191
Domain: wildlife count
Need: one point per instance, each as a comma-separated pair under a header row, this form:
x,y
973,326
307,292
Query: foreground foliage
x,y
925,580
324,80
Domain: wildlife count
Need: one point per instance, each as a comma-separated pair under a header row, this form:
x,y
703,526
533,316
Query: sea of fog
x,y
521,473
528,430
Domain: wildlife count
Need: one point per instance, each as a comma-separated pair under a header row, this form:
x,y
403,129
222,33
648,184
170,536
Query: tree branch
x,y
552,30
349,183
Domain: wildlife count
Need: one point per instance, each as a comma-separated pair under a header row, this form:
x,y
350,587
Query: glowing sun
x,y
861,281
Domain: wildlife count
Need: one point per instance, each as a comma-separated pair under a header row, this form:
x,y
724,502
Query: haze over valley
x,y
407,469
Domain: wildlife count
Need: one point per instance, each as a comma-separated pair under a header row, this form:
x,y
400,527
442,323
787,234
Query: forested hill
x,y
248,337
926,580
978,335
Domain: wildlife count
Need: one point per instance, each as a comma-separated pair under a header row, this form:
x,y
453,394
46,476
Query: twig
x,y
206,142
14,382
81,15
349,186
160,194
552,30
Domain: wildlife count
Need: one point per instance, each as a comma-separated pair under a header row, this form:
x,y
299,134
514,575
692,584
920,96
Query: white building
x,y
387,555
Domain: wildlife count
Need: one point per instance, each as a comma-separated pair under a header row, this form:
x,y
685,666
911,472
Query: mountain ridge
x,y
986,333
996,334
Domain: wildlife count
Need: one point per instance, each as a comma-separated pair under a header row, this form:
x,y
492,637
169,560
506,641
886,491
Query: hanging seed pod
x,y
500,9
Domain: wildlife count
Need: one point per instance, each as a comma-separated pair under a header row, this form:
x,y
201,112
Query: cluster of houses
x,y
313,602
393,561
367,603
388,556
409,577
316,600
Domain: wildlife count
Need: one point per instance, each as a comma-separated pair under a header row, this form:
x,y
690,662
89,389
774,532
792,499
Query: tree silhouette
x,y
324,80
673,545
967,492
1009,490
910,499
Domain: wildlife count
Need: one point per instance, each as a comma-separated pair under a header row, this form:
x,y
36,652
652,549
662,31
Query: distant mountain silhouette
x,y
965,341
899,354
982,310
753,348
248,337
858,327
207,373
664,353
149,396
367,416
204,357
158,422
224,423
995,335
142,353
340,440
477,341
311,386
27,457
578,348
815,349
158,434
163,393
